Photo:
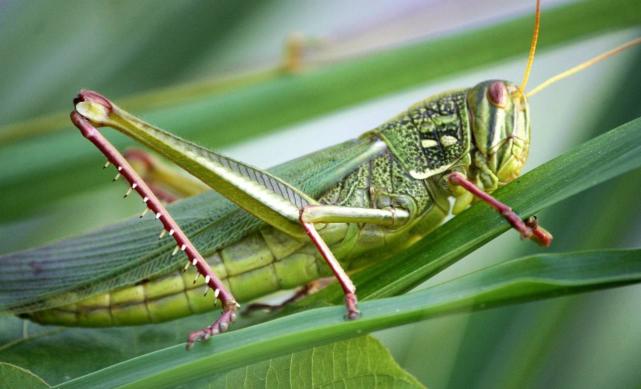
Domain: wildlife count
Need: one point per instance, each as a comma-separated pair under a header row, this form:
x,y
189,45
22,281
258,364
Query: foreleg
x,y
528,228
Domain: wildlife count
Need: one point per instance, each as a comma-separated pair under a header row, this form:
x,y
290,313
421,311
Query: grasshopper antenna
x,y
583,66
535,38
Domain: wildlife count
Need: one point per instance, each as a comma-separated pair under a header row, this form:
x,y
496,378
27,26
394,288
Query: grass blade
x,y
519,280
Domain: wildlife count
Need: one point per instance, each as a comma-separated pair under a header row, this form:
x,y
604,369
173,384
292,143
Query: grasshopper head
x,y
501,131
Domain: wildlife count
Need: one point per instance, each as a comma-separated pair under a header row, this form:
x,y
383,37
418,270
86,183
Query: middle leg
x,y
315,214
304,291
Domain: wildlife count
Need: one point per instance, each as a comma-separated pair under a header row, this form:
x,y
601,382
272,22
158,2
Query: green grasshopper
x,y
395,194
288,227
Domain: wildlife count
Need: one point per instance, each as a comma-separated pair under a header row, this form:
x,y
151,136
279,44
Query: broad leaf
x,y
12,376
356,363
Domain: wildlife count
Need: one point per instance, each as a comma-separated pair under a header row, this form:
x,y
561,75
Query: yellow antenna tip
x,y
583,65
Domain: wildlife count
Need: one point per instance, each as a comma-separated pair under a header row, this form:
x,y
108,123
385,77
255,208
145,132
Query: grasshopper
x,y
287,227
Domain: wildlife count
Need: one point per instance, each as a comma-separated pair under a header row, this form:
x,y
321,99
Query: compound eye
x,y
497,94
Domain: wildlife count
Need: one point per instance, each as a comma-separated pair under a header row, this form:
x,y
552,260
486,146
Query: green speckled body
x,y
421,146
269,260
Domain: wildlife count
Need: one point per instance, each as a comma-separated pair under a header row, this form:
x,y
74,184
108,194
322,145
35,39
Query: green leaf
x,y
12,376
519,280
355,363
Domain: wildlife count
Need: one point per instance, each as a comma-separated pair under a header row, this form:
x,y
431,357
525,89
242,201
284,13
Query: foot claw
x,y
352,309
353,315
219,326
539,234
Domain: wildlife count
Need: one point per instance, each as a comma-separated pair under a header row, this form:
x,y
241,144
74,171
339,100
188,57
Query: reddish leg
x,y
343,279
152,203
529,228
309,288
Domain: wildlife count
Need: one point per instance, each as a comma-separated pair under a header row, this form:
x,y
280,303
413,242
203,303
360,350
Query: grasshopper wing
x,y
128,252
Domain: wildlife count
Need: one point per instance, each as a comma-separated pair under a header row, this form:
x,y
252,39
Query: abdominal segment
x,y
259,264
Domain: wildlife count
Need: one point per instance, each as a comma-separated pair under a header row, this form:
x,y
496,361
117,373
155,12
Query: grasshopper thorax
x,y
500,124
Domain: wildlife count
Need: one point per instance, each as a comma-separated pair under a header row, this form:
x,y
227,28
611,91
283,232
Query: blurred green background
x,y
184,64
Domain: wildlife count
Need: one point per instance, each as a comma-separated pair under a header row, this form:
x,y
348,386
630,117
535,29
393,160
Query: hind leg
x,y
304,291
